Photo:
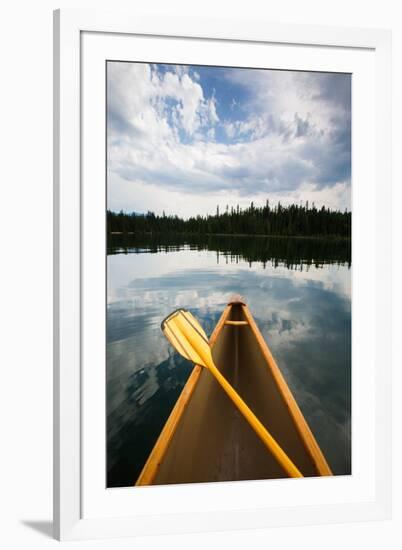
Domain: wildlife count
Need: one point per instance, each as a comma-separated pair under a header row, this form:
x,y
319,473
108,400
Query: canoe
x,y
206,439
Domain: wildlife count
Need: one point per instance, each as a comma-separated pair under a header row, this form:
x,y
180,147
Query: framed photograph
x,y
222,275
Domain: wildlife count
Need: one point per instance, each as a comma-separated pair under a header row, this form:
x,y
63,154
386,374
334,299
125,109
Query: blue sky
x,y
185,139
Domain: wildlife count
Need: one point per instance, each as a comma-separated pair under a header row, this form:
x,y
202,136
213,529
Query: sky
x,y
184,139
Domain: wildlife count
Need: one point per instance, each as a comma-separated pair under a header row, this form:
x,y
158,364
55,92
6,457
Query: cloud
x,y
171,130
154,102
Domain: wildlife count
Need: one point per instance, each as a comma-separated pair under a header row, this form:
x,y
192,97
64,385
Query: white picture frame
x,y
75,494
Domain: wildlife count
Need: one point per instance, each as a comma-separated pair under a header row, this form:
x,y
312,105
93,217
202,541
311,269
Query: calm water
x,y
299,292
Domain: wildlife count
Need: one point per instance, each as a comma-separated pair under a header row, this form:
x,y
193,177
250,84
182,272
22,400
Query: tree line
x,y
292,220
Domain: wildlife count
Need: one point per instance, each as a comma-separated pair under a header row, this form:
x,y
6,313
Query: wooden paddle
x,y
188,338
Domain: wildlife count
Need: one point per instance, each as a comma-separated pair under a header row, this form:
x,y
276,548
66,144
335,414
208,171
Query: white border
x,y
372,499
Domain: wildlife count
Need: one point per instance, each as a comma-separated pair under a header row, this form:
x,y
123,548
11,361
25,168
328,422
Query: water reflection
x,y
302,308
291,252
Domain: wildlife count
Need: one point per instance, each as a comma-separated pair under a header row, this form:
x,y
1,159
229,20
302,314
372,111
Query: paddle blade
x,y
187,337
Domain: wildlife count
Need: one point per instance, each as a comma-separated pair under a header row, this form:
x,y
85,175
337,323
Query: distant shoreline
x,y
259,235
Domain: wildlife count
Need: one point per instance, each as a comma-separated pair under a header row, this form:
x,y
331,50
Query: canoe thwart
x,y
236,323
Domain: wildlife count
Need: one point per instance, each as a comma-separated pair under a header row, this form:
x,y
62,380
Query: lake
x,y
299,292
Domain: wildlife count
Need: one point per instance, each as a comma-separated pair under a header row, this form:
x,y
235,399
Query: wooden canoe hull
x,y
206,439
